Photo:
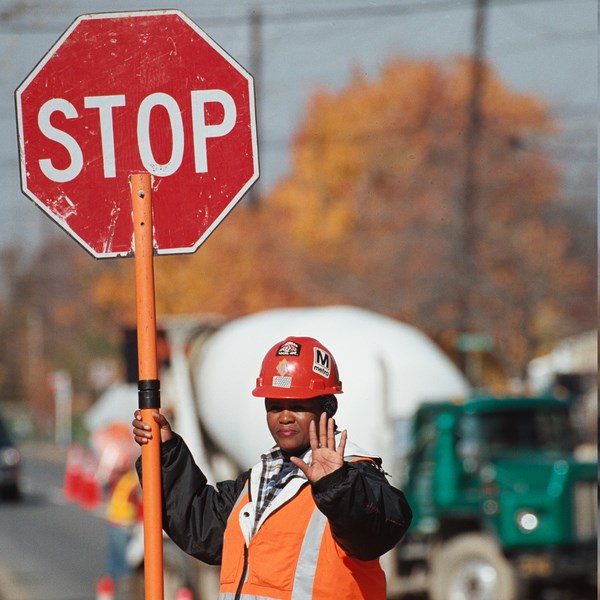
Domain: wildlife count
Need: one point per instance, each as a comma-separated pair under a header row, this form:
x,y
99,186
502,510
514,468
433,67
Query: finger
x,y
140,425
137,417
323,430
342,445
137,423
140,440
162,422
160,419
155,418
301,465
312,435
141,431
331,434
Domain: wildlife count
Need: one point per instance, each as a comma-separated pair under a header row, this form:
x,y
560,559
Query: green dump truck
x,y
501,502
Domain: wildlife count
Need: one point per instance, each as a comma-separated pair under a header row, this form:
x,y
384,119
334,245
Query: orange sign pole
x,y
148,385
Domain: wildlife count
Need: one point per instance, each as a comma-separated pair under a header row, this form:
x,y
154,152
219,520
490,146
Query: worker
x,y
310,520
123,511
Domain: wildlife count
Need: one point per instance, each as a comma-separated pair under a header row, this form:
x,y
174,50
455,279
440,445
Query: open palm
x,y
326,458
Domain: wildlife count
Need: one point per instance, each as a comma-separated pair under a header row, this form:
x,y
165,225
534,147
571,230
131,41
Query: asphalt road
x,y
49,549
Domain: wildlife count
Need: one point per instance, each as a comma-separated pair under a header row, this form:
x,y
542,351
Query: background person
x,y
123,511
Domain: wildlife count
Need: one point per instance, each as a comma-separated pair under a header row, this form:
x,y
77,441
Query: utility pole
x,y
468,198
256,64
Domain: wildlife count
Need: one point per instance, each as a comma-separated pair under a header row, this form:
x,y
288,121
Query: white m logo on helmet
x,y
322,362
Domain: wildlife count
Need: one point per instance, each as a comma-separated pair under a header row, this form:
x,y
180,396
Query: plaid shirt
x,y
276,472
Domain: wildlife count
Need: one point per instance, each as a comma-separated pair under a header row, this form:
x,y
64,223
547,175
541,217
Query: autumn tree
x,y
375,199
247,265
372,214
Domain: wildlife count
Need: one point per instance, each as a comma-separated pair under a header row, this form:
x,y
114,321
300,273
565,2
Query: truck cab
x,y
500,500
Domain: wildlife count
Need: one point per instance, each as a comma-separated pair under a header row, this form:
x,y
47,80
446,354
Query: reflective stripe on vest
x,y
307,561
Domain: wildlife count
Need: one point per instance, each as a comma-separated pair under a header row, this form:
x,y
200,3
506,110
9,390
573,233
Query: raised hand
x,y
326,458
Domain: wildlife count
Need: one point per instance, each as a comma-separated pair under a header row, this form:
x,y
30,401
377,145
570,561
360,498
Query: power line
x,y
8,18
387,10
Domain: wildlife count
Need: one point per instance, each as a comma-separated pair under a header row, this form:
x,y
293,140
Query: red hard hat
x,y
297,368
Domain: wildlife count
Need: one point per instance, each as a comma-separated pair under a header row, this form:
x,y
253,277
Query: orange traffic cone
x,y
184,593
72,479
90,495
105,589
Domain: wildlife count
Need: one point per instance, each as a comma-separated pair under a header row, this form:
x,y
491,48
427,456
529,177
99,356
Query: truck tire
x,y
472,567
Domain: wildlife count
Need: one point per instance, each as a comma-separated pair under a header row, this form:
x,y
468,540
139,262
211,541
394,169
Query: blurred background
x,y
414,160
432,161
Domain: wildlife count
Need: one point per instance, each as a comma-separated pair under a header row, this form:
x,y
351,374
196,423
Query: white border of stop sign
x,y
102,108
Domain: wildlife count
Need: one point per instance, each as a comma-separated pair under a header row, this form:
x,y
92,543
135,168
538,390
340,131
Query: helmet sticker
x,y
282,367
322,363
289,349
282,380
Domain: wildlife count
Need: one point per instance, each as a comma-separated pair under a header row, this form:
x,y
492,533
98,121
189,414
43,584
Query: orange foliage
x,y
376,194
371,215
245,266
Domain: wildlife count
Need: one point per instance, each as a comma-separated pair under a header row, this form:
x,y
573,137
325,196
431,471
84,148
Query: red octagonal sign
x,y
137,92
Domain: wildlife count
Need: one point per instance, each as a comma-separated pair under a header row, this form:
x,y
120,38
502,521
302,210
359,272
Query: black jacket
x,y
367,515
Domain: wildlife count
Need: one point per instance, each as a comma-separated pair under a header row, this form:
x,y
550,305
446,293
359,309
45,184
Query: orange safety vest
x,y
292,555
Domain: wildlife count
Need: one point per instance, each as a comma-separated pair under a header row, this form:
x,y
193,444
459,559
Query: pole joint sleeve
x,y
149,393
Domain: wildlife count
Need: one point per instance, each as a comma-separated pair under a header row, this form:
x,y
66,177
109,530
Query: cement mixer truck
x,y
498,496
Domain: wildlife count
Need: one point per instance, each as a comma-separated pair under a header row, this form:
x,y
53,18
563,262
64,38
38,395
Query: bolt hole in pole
x,y
148,385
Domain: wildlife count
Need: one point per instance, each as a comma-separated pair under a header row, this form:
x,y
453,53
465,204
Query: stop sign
x,y
136,92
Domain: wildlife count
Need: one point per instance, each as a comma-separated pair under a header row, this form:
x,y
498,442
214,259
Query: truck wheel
x,y
471,567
